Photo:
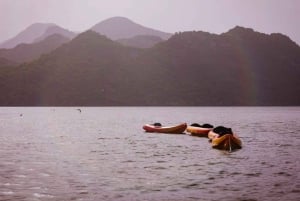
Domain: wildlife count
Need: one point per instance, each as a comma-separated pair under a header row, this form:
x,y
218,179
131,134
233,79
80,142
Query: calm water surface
x,y
99,153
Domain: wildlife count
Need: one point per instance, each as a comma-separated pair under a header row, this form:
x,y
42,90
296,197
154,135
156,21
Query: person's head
x,y
195,125
207,126
229,131
157,124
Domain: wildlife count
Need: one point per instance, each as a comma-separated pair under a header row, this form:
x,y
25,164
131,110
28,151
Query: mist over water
x,y
102,153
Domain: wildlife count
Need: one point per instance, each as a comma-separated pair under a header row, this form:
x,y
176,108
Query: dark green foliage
x,y
240,67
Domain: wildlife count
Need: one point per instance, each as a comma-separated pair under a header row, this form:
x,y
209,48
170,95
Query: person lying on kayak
x,y
221,130
157,124
207,126
202,126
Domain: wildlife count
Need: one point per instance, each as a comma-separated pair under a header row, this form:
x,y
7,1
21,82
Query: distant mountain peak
x,y
39,24
90,34
241,32
28,35
90,39
117,19
122,27
238,30
55,30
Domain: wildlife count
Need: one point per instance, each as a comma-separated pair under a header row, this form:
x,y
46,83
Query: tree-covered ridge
x,y
28,52
240,67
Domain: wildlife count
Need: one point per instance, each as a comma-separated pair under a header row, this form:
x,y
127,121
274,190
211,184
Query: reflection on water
x,y
103,154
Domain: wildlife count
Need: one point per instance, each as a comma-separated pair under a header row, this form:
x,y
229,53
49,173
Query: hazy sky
x,y
215,16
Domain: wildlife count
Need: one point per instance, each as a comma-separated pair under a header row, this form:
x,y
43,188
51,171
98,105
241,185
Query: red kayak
x,y
178,129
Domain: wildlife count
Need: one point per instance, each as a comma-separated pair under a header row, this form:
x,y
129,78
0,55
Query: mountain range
x,y
36,33
31,43
241,67
114,28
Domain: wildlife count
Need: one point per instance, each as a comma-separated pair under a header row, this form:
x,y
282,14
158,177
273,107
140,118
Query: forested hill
x,y
28,52
239,67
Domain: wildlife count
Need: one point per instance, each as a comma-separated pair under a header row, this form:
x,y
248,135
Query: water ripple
x,y
103,154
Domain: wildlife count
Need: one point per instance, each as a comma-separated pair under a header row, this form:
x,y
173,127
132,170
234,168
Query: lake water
x,y
102,153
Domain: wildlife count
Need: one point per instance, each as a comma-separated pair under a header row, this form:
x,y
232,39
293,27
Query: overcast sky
x,y
215,16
